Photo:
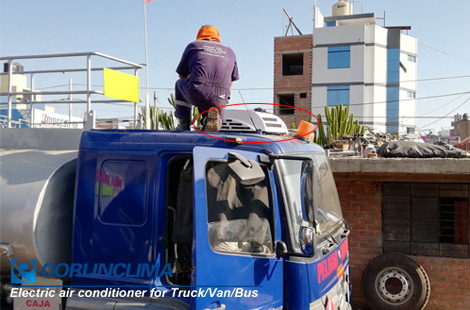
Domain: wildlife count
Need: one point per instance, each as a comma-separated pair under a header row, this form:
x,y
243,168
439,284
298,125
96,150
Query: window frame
x,y
339,57
272,220
291,62
337,95
282,110
411,58
145,206
415,235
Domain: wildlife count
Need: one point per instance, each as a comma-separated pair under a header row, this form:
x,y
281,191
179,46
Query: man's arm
x,y
183,68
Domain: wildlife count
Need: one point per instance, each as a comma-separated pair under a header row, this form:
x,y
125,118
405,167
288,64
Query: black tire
x,y
395,282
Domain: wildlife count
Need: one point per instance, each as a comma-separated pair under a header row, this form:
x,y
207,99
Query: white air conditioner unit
x,y
253,121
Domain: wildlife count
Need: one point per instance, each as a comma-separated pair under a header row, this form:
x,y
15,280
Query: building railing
x,y
88,92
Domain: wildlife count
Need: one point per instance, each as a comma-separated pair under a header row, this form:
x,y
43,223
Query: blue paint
x,y
393,91
337,95
393,65
392,108
266,273
137,161
339,57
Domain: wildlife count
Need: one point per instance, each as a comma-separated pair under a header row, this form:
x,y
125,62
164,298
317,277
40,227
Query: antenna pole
x,y
314,15
291,22
147,104
247,111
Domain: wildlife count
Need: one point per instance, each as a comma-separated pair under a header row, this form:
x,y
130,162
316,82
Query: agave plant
x,y
165,120
340,123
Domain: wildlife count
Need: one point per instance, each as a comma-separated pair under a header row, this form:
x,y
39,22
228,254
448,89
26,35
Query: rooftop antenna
x,y
247,111
291,23
382,18
360,2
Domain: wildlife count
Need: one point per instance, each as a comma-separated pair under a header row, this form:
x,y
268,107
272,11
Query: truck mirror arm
x,y
282,252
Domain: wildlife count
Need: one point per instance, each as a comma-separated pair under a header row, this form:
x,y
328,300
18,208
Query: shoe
x,y
183,125
212,121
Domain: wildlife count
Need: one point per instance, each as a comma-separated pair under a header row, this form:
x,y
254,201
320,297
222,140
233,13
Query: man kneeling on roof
x,y
206,72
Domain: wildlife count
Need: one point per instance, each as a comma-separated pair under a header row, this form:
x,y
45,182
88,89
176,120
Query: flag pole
x,y
147,103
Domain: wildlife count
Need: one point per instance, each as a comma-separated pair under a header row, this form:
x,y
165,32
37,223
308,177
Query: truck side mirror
x,y
306,240
281,249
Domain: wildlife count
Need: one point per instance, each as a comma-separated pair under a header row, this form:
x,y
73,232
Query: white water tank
x,y
342,7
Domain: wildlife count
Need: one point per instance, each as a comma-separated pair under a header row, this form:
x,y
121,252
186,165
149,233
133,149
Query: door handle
x,y
222,307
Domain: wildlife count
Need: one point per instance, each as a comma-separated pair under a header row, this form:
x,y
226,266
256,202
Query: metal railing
x,y
123,65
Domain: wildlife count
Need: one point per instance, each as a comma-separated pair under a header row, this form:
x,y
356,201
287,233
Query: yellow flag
x,y
121,85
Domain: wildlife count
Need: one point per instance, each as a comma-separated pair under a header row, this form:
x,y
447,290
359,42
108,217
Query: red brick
x,y
294,84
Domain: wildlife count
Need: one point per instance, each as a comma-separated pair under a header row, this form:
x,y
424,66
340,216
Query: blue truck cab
x,y
223,225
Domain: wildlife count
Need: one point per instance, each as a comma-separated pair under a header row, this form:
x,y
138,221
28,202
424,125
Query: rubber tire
x,y
415,274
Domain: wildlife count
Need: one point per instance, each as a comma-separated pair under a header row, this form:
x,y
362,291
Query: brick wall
x,y
361,202
362,209
450,282
294,84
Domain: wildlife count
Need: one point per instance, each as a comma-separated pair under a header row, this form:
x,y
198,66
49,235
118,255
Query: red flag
x,y
148,1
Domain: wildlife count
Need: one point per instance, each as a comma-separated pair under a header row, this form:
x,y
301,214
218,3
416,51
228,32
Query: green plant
x,y
340,123
172,101
165,120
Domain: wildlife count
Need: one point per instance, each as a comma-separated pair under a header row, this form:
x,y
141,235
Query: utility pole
x,y
147,104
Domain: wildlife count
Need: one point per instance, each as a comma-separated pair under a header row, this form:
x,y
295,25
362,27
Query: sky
x,y
116,28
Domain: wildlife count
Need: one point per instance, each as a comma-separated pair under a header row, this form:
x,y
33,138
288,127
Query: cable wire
x,y
445,115
443,52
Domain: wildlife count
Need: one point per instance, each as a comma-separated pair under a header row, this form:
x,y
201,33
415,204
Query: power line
x,y
272,88
443,52
446,114
440,78
410,99
442,106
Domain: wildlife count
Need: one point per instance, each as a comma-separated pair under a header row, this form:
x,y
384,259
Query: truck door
x,y
234,236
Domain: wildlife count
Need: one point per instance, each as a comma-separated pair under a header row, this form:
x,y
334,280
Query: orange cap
x,y
208,32
305,128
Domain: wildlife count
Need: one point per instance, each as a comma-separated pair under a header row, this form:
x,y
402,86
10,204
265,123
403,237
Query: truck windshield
x,y
311,196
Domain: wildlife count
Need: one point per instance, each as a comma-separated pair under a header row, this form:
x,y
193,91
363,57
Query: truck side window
x,y
122,192
239,215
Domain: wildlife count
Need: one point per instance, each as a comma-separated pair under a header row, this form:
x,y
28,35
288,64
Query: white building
x,y
23,114
368,67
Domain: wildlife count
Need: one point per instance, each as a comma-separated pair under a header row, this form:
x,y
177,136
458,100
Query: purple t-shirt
x,y
210,63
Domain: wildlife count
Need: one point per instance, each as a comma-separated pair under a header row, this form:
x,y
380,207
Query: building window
x,y
122,192
339,57
429,219
287,101
330,24
411,94
392,109
303,95
293,64
393,66
411,58
239,214
337,95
